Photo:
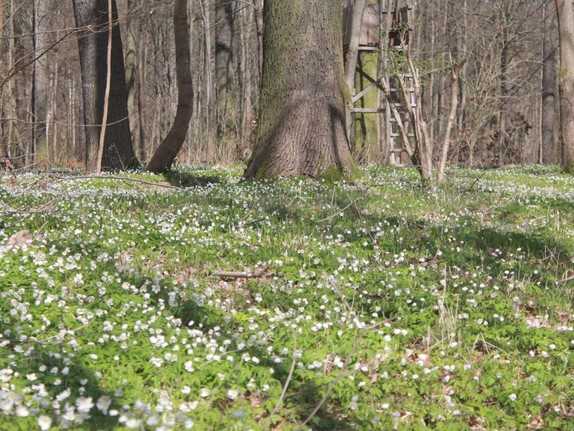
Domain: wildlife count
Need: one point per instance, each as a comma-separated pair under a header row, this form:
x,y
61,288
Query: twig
x,y
476,180
112,177
40,209
286,385
243,274
565,280
354,202
342,375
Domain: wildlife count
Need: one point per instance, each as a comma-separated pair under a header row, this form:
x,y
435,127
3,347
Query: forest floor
x,y
197,300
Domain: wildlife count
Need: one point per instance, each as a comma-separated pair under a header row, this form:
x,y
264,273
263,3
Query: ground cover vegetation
x,y
197,300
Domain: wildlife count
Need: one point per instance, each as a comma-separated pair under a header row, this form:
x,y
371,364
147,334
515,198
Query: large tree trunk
x,y
166,153
565,13
301,126
91,17
548,148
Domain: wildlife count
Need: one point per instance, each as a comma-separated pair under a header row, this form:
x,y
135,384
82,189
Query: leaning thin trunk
x,y
166,153
106,92
451,120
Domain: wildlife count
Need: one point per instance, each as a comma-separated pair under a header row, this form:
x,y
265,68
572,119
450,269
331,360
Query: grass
x,y
374,305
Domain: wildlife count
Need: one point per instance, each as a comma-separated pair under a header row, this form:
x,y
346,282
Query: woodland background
x,y
507,93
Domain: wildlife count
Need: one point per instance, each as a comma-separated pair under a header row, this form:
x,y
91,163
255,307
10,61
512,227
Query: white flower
x,y
152,420
158,362
31,377
188,366
512,397
186,390
133,423
232,394
70,415
204,393
44,422
63,395
103,404
84,404
22,411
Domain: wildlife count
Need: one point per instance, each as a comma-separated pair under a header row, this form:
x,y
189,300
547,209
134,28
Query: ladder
x,y
394,137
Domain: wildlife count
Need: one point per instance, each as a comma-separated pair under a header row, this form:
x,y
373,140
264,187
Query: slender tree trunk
x,y
209,138
223,47
141,143
565,14
247,82
548,144
462,106
133,33
166,153
502,114
106,106
91,17
40,82
226,91
352,58
12,134
451,120
301,127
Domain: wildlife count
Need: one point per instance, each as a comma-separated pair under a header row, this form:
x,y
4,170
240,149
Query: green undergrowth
x,y
198,300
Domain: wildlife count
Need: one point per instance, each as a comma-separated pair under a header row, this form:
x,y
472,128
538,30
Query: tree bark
x,y
301,126
166,153
565,14
91,16
549,149
352,57
208,72
133,39
223,47
40,84
451,119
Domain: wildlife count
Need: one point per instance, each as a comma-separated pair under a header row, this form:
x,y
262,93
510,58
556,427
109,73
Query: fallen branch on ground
x,y
243,274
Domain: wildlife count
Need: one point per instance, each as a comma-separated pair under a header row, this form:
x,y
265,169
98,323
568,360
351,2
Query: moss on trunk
x,y
366,125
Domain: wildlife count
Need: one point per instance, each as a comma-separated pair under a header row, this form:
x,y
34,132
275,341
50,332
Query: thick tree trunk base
x,y
309,141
